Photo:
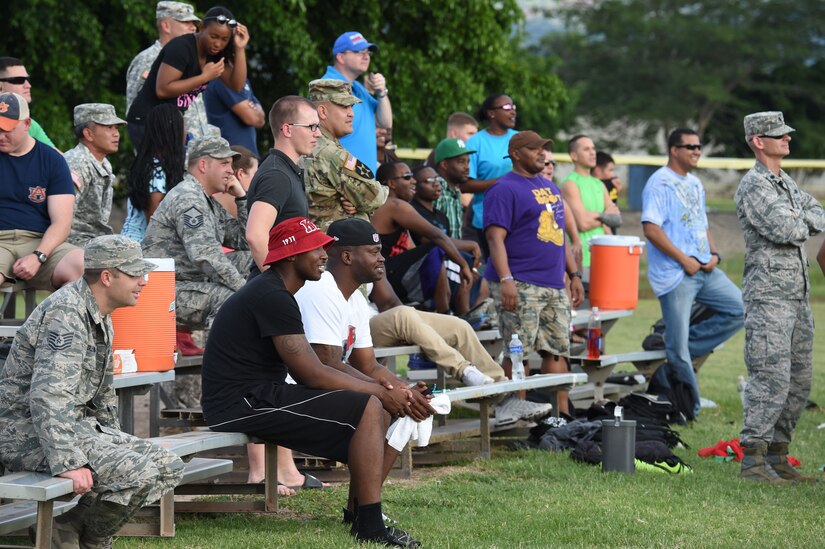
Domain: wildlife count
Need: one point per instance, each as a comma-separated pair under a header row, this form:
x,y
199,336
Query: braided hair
x,y
162,147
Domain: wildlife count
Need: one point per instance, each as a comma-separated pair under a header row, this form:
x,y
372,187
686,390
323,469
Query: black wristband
x,y
718,257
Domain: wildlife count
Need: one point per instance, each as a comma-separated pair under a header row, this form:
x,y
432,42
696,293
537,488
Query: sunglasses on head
x,y
690,147
223,20
17,80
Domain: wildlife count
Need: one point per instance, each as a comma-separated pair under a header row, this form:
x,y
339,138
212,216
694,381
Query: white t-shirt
x,y
329,319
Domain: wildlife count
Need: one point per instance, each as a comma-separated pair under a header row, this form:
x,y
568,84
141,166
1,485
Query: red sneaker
x,y
186,344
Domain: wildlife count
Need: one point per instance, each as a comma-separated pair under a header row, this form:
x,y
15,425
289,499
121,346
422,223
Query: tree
x,y
689,62
439,56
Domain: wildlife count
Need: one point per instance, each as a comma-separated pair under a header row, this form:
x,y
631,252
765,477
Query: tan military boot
x,y
755,468
777,458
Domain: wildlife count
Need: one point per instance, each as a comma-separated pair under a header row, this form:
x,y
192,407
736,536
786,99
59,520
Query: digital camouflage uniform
x,y
93,179
190,227
776,218
58,407
332,172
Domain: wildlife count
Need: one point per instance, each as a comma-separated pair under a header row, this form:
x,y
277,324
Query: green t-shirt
x,y
37,132
592,191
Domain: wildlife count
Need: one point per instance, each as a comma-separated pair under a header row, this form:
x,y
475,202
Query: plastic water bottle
x,y
594,334
741,385
517,358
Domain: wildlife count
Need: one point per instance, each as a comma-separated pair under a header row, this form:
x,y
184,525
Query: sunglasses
x,y
689,147
548,162
406,177
312,127
431,180
16,80
223,20
506,107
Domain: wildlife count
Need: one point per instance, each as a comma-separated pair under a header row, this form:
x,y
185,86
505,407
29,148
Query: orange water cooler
x,y
149,327
614,271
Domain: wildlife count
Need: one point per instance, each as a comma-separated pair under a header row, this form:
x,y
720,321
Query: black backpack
x,y
655,340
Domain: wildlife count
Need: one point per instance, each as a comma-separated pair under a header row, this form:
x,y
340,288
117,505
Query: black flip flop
x,y
310,483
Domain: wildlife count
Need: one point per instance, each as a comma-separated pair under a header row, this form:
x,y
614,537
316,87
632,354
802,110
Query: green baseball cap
x,y
450,148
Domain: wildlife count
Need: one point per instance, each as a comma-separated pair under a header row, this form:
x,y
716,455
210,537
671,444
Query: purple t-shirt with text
x,y
532,211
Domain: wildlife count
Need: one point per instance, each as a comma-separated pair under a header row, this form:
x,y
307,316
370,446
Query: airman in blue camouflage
x,y
190,226
96,126
777,217
333,173
58,410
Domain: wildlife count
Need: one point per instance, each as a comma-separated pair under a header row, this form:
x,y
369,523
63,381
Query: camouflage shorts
x,y
541,318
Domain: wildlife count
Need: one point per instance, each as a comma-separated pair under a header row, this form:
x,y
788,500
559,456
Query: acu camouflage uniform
x,y
58,413
190,227
776,218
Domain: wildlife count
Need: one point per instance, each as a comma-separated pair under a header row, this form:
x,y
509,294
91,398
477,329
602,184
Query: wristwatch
x,y
382,95
41,257
575,274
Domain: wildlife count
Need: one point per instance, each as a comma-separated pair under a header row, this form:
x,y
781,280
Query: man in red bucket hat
x,y
258,338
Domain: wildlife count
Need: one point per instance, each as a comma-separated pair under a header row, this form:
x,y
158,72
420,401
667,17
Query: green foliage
x,y
695,62
438,56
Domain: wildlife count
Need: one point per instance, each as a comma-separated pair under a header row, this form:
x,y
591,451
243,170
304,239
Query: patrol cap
x,y
295,236
216,147
526,139
113,251
770,123
450,148
13,109
179,11
352,41
353,231
99,113
332,90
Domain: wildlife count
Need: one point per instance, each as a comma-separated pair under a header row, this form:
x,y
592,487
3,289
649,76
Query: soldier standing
x,y
96,128
776,218
58,410
335,173
190,226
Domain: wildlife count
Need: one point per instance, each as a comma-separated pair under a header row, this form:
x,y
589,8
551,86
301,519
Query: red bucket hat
x,y
295,236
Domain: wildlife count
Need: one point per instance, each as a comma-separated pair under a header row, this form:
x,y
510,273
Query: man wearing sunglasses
x,y
683,267
14,78
351,58
777,218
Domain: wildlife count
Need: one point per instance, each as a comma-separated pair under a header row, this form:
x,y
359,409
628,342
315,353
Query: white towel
x,y
407,429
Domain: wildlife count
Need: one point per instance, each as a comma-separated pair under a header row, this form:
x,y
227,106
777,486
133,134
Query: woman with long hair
x,y
188,63
157,168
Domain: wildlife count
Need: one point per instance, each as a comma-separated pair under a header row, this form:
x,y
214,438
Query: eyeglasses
x,y
507,107
312,127
366,52
689,147
548,162
406,177
223,20
431,180
777,137
16,80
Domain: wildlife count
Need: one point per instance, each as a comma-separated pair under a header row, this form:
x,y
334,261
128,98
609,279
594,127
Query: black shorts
x,y
312,421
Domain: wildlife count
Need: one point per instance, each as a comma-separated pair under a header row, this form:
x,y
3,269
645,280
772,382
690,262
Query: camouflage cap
x,y
332,90
216,147
99,113
179,11
113,251
770,123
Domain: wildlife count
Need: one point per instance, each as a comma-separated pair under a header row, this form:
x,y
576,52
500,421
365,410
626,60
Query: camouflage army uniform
x,y
194,119
776,218
332,173
190,227
58,413
93,204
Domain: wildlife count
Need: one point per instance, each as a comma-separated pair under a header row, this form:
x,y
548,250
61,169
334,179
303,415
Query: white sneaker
x,y
522,409
707,403
472,376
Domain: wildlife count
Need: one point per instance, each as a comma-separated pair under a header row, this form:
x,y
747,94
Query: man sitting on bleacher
x,y
339,327
258,337
58,411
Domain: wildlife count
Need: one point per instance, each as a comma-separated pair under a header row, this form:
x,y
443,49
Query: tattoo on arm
x,y
328,354
294,345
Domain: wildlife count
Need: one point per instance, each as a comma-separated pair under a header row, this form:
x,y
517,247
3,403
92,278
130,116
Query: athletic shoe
x,y
472,376
522,409
706,403
392,537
